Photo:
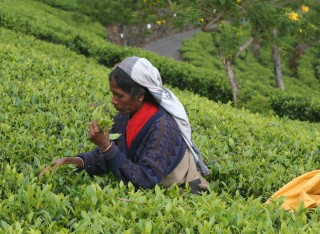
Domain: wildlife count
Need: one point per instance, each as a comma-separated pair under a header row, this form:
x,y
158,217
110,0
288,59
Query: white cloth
x,y
145,74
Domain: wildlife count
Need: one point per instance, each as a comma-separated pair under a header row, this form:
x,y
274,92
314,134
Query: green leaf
x,y
114,136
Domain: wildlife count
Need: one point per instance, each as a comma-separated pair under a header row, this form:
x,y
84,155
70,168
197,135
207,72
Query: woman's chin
x,y
122,111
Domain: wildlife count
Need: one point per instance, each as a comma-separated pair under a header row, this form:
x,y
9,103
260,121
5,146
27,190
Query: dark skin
x,y
123,103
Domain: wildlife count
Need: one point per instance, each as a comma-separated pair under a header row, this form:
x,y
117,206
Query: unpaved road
x,y
169,46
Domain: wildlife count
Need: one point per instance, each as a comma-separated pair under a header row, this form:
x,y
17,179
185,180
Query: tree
x,y
110,11
308,32
235,24
224,19
273,22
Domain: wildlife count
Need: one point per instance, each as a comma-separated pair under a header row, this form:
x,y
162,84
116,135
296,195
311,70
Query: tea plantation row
x,y
47,96
58,26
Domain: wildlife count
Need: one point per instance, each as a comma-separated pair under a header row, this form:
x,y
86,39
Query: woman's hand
x,y
62,161
98,137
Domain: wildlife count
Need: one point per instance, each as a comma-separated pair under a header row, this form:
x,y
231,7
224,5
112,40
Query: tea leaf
x,y
114,136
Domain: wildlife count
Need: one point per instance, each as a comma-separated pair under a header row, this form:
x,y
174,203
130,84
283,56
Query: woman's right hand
x,y
98,137
78,162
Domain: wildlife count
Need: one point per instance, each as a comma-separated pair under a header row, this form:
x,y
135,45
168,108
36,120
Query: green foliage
x,y
47,95
201,81
262,96
268,15
280,23
49,24
56,30
46,22
258,103
230,38
297,108
197,79
104,116
109,11
199,51
68,5
308,69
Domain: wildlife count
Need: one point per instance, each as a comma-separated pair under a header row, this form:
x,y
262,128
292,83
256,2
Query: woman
x,y
155,144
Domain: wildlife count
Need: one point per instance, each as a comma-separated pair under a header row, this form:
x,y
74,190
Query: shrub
x,y
47,95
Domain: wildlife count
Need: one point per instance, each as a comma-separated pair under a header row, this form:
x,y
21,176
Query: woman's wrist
x,y
80,163
103,144
104,150
77,161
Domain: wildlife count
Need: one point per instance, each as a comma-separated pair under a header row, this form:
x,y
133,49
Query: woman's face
x,y
122,101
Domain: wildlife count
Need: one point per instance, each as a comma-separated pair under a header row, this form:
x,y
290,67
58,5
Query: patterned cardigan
x,y
155,152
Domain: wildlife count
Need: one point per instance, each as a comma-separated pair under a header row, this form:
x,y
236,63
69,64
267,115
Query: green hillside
x,y
255,75
48,90
31,17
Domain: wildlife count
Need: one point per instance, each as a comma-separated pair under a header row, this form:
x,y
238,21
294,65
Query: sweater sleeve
x,y
94,164
158,154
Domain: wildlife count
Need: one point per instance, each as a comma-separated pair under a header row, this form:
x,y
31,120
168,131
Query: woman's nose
x,y
114,101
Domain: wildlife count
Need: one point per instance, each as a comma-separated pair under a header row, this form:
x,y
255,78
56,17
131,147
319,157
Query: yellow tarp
x,y
305,188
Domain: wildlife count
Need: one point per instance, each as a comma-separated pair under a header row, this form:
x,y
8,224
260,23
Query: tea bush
x,y
47,23
47,96
79,34
68,5
309,68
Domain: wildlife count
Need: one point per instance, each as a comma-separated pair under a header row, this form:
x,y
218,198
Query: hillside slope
x,y
48,92
51,91
255,76
32,18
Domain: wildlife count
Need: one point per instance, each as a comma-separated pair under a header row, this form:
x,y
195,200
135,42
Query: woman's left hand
x,y
98,137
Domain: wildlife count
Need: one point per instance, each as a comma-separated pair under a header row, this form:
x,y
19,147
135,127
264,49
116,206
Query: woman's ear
x,y
142,94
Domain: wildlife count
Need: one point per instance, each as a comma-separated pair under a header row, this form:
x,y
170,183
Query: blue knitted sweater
x,y
155,152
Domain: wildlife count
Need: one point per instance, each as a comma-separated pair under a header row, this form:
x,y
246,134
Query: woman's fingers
x,y
58,162
44,171
94,128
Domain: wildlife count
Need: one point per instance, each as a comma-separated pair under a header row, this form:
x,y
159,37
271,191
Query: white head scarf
x,y
145,74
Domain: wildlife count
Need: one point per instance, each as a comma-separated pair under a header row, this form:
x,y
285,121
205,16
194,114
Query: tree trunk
x,y
277,61
293,61
124,34
277,66
232,79
113,34
244,46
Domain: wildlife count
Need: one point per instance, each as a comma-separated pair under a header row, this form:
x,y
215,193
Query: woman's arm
x,y
159,153
90,161
78,162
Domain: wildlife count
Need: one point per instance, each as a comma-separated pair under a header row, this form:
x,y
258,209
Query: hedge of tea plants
x,y
48,93
47,23
68,5
308,68
69,28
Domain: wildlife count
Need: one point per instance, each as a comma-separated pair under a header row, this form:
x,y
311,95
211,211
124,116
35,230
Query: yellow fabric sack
x,y
305,188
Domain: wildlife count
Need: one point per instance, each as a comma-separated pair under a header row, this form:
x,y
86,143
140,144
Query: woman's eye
x,y
119,96
116,95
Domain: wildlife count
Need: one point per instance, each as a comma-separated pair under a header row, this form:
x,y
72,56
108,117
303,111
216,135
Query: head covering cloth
x,y
145,74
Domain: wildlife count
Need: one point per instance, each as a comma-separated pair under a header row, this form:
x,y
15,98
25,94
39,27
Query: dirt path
x,y
169,46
